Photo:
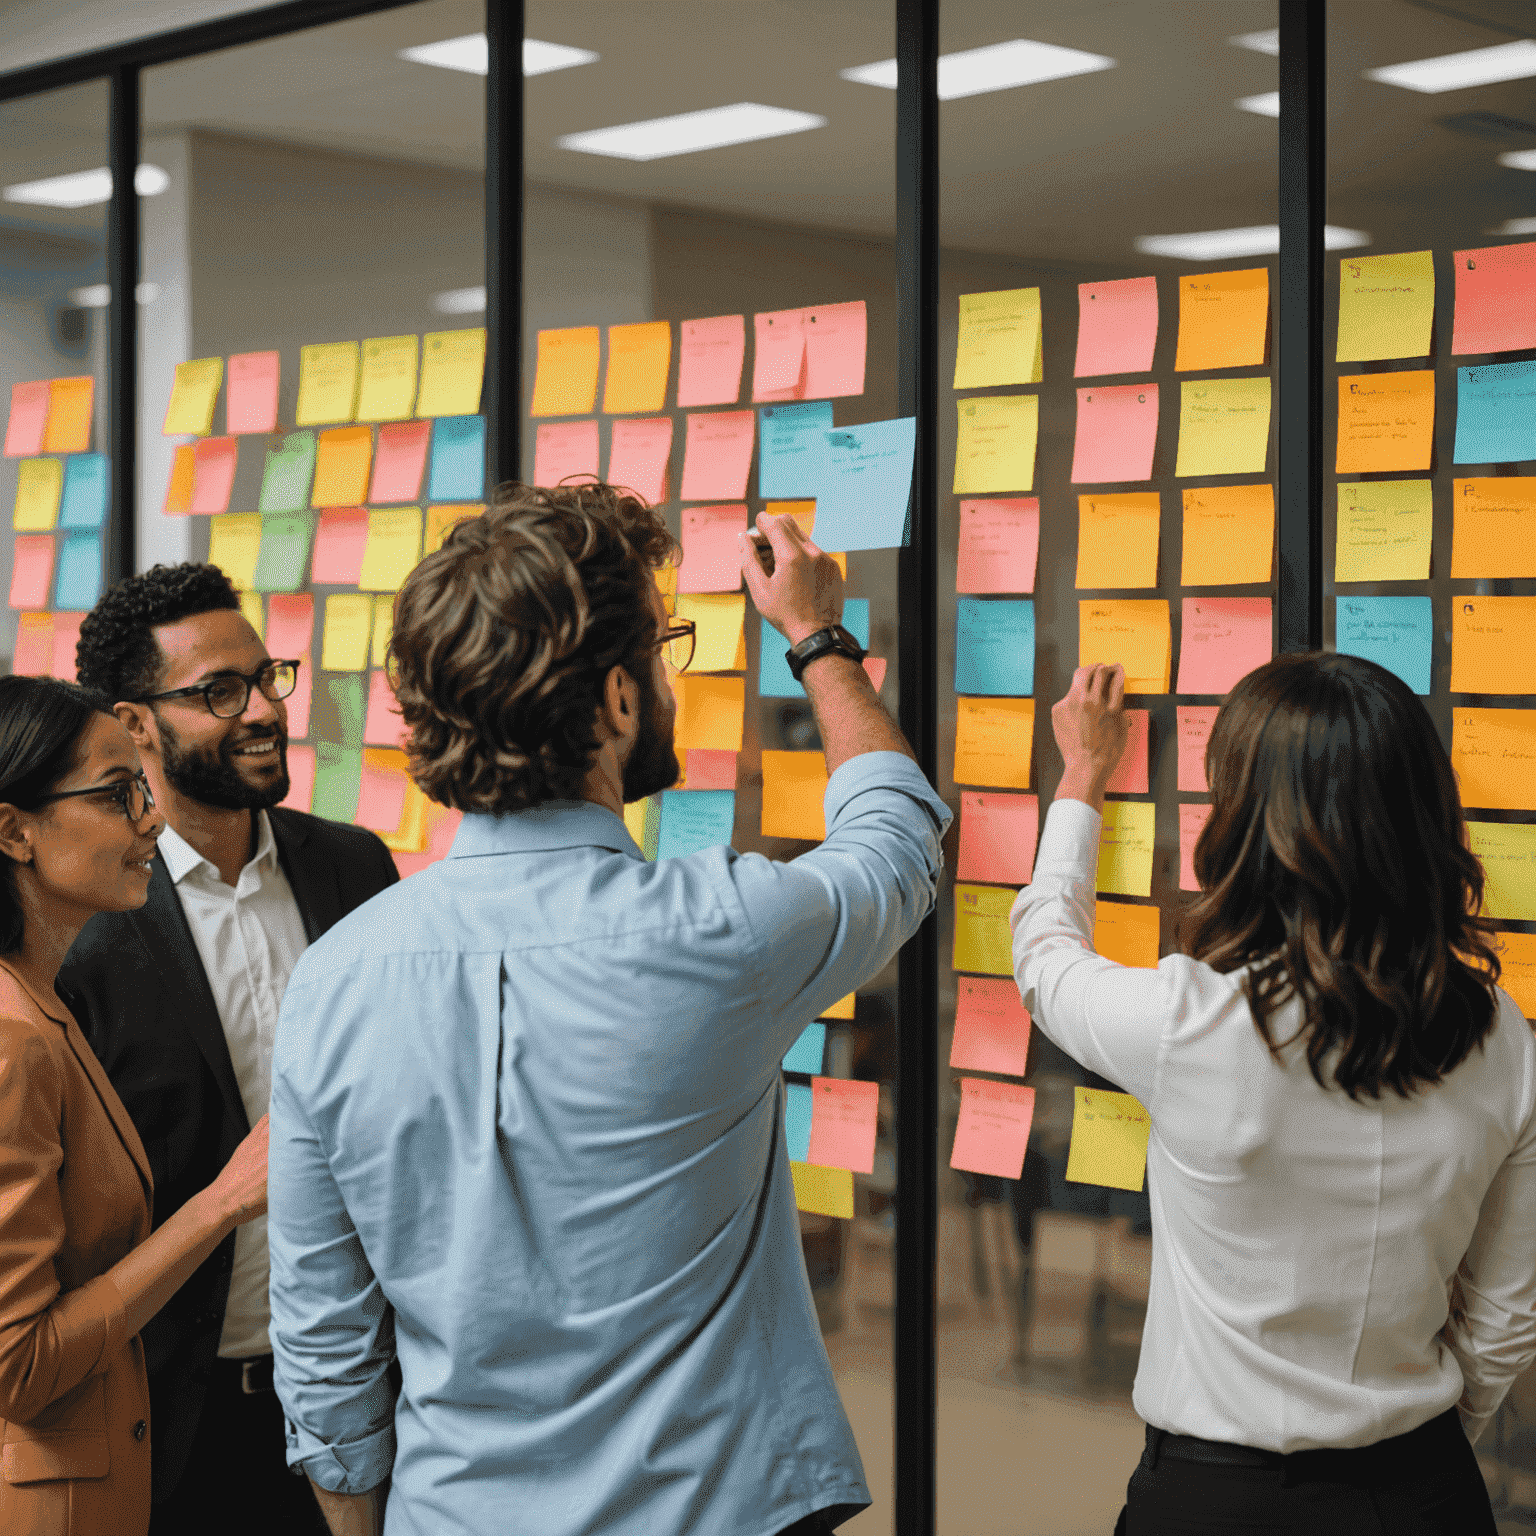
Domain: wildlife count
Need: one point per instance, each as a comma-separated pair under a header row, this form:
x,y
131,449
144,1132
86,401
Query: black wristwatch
x,y
834,638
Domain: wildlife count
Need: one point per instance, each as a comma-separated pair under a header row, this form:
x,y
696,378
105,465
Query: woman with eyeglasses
x,y
80,1273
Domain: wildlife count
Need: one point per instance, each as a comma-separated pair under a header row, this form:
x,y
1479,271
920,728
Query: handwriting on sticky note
x,y
234,545
1116,326
983,942
1395,632
1194,727
327,383
565,372
717,453
1386,306
995,449
1495,299
39,485
836,341
1517,954
1127,935
992,1131
1133,631
1493,644
1130,775
994,740
1223,320
1223,426
995,645
693,820
213,473
843,1123
1494,754
250,401
1508,855
387,391
711,551
193,393
1493,526
999,339
997,837
991,1026
1116,433
1384,528
710,712
1224,638
31,570
343,457
639,364
1117,539
400,462
1496,414
718,618
793,450
710,358
778,364
999,543
1126,846
339,544
866,485
1110,1132
1192,820
1229,535
28,420
1386,421
393,548
638,453
794,789
823,1191
452,372
564,451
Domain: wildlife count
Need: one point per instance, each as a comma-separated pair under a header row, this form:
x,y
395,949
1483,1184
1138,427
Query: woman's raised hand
x,y
1091,730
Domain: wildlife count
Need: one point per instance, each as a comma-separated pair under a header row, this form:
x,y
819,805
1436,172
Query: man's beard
x,y
652,766
211,777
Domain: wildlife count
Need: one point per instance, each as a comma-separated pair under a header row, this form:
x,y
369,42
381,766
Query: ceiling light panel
x,y
1259,42
470,54
1515,227
1519,159
1225,244
459,301
80,189
1266,104
1457,71
689,132
997,67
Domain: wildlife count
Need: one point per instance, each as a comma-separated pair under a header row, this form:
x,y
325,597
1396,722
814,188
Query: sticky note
x,y
992,1131
196,388
382,789
717,452
178,489
453,370
778,363
438,835
1116,433
290,625
710,357
1117,539
1517,976
327,383
382,725
564,451
1508,854
1229,535
213,473
823,1191
253,607
1394,632
348,623
991,1026
234,545
792,458
338,779
84,502
39,485
339,544
1109,1139
387,390
285,478
1224,638
392,550
983,941
1386,306
1493,644
994,741
1192,820
441,521
808,1052
1496,414
999,339
718,618
798,1111
639,364
77,580
711,551
411,835
1493,526
704,768
343,458
458,459
867,485
1116,326
1125,847
565,373
843,1008
250,401
34,645
999,543
70,403
843,1123
694,819
1494,754
710,712
297,705
836,342
1133,631
347,702
1383,530
995,449
1194,729
284,551
1386,421
1223,320
774,679
1223,427
1495,299
638,453
31,570
794,787
301,777
1130,775
997,837
994,645
66,642
28,420
398,465
1125,934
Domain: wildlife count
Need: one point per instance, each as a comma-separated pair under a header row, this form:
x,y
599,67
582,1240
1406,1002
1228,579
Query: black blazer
x,y
136,984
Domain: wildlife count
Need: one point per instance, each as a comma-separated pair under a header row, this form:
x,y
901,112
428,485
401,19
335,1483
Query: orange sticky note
x,y
443,519
1195,722
710,712
1494,754
1192,820
1125,934
835,344
843,1008
383,726
639,363
301,776
69,415
1493,644
1223,320
717,454
31,570
1517,952
340,541
1229,535
711,552
28,422
178,490
1493,526
343,456
213,473
442,825
997,837
1495,299
381,793
563,451
844,1113
250,393
1386,421
1117,539
794,788
994,741
34,645
638,453
999,543
565,373
1224,638
991,1026
1133,631
66,640
983,941
1116,433
1116,326
778,363
823,1191
706,768
993,1129
398,465
710,358
1130,777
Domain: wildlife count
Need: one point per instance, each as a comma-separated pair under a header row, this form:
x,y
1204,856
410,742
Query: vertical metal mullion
x,y
503,239
1299,328
122,320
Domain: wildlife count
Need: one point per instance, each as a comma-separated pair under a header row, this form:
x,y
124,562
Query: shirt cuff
x,y
882,770
1070,839
352,1468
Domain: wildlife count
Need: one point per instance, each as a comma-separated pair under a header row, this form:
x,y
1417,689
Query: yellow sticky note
x,y
452,372
1117,539
1133,631
710,712
1517,952
1109,1139
234,544
1384,529
1386,421
193,395
441,519
70,406
1386,306
1493,526
383,628
639,361
1223,426
1493,644
348,625
392,550
983,941
1127,935
994,742
823,1191
1125,847
841,1009
39,484
327,383
1223,320
388,387
719,636
1494,754
1229,535
999,340
411,835
254,607
995,450
565,378
342,460
634,822
1508,852
794,788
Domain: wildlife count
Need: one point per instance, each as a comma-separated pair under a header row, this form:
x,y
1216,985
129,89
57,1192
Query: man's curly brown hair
x,y
503,638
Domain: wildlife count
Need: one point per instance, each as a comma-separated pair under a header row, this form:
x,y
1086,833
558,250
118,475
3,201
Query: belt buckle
x,y
246,1385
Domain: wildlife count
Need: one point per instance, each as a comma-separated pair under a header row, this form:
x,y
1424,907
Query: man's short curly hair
x,y
502,640
118,654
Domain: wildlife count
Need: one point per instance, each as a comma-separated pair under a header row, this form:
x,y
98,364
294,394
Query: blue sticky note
x,y
995,646
792,449
1495,414
694,819
797,1121
458,459
1395,632
77,582
84,502
866,486
806,1054
774,679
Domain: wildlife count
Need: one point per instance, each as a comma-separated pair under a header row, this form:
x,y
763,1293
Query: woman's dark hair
x,y
41,723
1335,865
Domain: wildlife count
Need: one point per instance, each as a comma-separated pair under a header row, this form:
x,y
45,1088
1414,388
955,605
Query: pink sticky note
x,y
711,768
66,637
213,473
562,449
301,777
1130,778
778,362
384,727
638,452
34,646
1223,639
1195,722
993,1130
31,570
843,1116
875,666
1116,326
717,453
991,1026
290,624
836,339
440,834
297,704
1495,299
250,396
997,836
999,542
399,462
339,544
29,419
380,795
1192,819
711,554
709,364
1116,433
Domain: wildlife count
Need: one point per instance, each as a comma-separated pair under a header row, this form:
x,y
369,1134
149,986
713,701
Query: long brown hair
x,y
1335,865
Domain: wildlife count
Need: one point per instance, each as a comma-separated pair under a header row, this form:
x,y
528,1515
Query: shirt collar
x,y
542,829
181,858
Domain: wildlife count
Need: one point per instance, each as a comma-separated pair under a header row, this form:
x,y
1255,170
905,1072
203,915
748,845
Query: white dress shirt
x,y
1302,1243
250,936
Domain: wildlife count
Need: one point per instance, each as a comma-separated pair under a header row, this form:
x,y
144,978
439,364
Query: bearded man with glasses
x,y
179,999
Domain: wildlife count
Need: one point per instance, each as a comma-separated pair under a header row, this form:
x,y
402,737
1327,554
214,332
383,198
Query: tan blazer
x,y
75,1194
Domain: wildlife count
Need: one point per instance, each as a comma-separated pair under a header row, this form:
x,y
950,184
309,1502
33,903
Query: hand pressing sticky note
x,y
453,372
343,457
1493,644
1493,527
1117,539
70,406
997,837
1495,299
639,364
823,1191
999,339
1223,320
991,1026
382,789
285,478
866,485
1386,421
1192,820
844,1118
565,372
1496,414
284,552
1110,1132
1223,427
994,741
213,473
993,1129
999,542
995,448
1133,631
710,712
808,1053
1508,855
792,456
710,358
794,795
693,820
340,541
327,384
717,452
1224,638
1386,306
1116,326
1130,775
1116,433
31,570
388,388
1493,752
348,621
1127,935
196,388
1395,632
28,420
399,464
639,450
1229,535
718,618
392,550
39,487
382,725
711,548
1383,530
234,545
995,645
1517,954
250,402
1194,727
1126,846
983,942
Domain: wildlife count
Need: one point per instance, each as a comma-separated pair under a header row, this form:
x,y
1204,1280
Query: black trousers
x,y
1424,1483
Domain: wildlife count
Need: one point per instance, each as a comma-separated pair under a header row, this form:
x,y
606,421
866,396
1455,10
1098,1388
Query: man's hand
x,y
804,593
1091,730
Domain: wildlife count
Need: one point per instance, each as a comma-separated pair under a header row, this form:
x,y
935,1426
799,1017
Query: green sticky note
x,y
346,693
286,477
285,541
338,777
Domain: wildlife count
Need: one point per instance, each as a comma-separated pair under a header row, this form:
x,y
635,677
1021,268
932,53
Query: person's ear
x,y
139,719
621,704
15,838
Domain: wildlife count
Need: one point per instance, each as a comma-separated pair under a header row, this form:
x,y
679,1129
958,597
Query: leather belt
x,y
255,1374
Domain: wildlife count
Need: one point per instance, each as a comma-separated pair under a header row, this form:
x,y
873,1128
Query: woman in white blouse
x,y
1342,1113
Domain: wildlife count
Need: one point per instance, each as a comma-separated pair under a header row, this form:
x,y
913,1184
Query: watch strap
x,y
833,638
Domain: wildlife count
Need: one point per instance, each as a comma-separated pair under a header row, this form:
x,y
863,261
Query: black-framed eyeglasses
x,y
677,641
228,694
134,797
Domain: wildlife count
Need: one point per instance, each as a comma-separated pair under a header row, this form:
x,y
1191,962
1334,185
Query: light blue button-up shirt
x,y
527,1135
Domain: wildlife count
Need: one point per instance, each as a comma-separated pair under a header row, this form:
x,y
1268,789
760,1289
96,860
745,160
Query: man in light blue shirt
x,y
527,1108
